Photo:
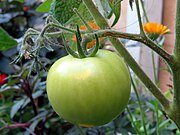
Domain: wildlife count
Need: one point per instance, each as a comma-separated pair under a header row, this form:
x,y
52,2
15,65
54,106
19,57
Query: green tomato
x,y
91,91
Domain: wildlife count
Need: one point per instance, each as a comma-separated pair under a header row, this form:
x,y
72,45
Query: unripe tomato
x,y
91,91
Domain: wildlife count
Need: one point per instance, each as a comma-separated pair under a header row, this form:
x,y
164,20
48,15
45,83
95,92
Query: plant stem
x,y
145,14
140,106
154,67
152,53
33,105
175,109
174,113
176,71
139,18
27,89
132,121
157,120
136,37
177,32
140,73
56,26
101,22
176,82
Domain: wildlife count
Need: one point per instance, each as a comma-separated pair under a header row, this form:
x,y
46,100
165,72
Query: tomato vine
x,y
172,108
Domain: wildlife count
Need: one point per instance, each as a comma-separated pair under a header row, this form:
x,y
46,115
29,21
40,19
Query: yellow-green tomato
x,y
90,91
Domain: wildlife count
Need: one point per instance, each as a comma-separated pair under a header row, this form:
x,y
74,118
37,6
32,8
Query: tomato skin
x,y
90,91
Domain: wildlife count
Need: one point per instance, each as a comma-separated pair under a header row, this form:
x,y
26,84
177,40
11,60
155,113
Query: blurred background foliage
x,y
24,106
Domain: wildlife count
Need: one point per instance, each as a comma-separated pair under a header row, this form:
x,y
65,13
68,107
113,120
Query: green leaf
x,y
62,10
45,6
110,7
22,1
116,9
15,108
6,42
34,124
164,123
75,20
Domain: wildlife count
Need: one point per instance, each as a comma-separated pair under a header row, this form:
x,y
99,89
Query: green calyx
x,y
81,47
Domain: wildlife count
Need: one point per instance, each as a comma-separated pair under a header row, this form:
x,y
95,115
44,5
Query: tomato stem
x,y
94,48
137,37
79,47
69,49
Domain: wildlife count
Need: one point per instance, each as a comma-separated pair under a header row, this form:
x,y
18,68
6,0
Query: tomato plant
x,y
90,91
88,98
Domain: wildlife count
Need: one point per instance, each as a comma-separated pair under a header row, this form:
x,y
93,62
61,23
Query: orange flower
x,y
154,28
94,26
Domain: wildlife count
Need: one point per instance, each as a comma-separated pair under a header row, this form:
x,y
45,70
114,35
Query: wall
x,y
168,17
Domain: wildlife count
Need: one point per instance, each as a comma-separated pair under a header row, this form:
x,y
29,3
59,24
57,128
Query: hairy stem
x,y
177,33
174,113
136,37
176,81
56,26
176,99
100,21
176,70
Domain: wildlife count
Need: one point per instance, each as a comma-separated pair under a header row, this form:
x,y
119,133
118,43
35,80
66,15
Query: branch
x,y
137,37
102,23
176,70
177,33
56,26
